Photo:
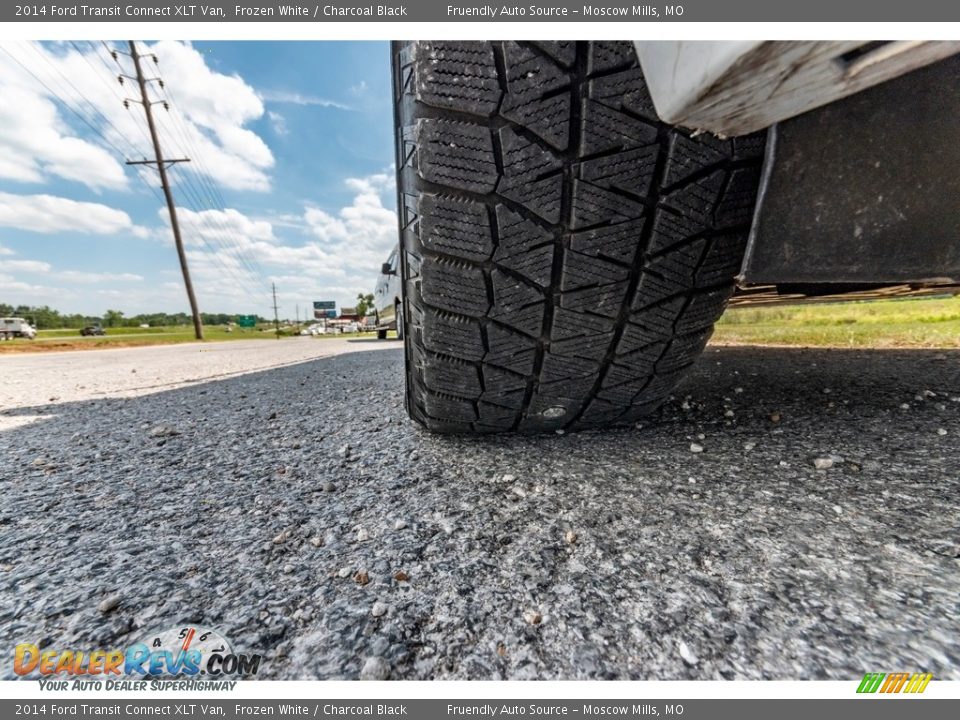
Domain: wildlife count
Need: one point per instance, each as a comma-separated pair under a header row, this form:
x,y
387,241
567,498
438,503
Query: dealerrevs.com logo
x,y
202,657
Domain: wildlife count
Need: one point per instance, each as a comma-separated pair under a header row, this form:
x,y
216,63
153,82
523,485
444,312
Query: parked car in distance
x,y
91,330
388,297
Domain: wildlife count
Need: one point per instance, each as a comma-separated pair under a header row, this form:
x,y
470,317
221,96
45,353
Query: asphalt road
x,y
297,510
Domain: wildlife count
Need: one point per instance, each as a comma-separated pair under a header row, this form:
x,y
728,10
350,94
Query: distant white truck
x,y
16,328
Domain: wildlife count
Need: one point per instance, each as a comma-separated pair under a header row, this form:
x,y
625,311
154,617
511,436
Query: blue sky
x,y
290,179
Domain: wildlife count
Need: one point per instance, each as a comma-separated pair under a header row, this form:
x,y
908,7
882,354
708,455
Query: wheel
x,y
398,314
564,253
381,334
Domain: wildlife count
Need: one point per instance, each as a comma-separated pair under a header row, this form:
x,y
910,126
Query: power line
x,y
194,203
219,231
171,206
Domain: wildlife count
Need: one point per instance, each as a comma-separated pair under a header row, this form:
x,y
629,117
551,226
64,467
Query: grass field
x,y
904,323
70,339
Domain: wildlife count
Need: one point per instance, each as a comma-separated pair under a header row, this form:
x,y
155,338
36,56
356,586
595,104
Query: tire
x,y
564,253
381,334
398,314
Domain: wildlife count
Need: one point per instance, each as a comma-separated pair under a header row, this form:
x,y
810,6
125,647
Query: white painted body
x,y
16,327
736,87
388,293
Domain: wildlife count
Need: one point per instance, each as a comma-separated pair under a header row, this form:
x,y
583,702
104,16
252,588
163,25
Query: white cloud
x,y
19,292
319,255
36,143
361,234
230,228
295,98
6,251
50,214
278,122
340,258
39,267
27,266
91,278
206,121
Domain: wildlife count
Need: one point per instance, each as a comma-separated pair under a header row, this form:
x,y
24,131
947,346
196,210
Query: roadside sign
x,y
324,309
247,321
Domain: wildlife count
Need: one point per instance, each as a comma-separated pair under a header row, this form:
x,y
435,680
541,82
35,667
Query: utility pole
x,y
276,318
164,183
298,318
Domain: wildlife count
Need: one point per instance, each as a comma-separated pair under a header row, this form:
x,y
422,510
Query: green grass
x,y
918,322
70,339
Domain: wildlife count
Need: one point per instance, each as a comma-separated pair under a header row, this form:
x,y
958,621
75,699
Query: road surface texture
x,y
791,514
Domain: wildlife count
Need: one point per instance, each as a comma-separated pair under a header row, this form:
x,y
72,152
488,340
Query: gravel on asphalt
x,y
813,535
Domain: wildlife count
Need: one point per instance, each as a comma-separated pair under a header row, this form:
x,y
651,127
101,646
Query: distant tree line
x,y
46,318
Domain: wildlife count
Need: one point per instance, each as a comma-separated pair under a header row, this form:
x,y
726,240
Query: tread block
x,y
593,205
548,117
442,407
527,177
584,270
682,351
605,129
457,76
456,154
530,77
630,366
601,300
452,335
669,274
695,201
568,324
750,147
687,155
618,242
590,347
498,381
455,227
739,198
510,350
512,399
456,287
630,171
625,89
723,259
517,304
609,55
563,51
496,416
703,310
443,375
525,247
623,393
669,229
557,367
654,322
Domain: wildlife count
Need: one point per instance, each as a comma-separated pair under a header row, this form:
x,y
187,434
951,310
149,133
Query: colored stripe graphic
x,y
870,683
894,682
918,683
